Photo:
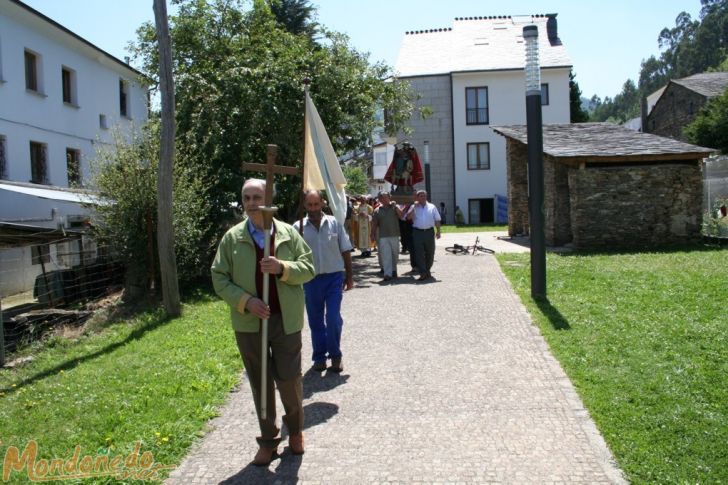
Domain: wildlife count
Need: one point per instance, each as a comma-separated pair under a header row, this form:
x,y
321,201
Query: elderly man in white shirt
x,y
425,228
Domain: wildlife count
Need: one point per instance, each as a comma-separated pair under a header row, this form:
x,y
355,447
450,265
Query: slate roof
x,y
476,44
605,142
709,84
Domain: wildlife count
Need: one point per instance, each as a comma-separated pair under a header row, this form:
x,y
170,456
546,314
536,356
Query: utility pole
x,y
165,229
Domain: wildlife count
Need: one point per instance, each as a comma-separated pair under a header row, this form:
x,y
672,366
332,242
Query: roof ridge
x,y
428,31
504,17
479,17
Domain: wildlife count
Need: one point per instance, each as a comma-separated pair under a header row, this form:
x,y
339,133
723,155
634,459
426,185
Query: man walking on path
x,y
237,275
385,229
490,379
425,228
332,261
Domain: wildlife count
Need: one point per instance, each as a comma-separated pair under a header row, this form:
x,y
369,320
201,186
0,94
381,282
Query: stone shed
x,y
606,186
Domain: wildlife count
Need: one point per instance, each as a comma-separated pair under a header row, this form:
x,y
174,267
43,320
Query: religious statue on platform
x,y
405,170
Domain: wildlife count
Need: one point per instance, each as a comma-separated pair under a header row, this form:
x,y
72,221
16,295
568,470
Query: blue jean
x,y
323,307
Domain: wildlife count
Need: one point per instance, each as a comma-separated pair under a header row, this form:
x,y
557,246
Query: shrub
x,y
126,175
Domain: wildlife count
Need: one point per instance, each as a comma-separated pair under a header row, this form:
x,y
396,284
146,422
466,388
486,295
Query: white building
x,y
471,76
61,98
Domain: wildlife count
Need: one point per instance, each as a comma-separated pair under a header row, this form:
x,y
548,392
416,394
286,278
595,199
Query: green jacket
x,y
233,275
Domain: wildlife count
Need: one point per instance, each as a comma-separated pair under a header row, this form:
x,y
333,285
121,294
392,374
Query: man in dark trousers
x,y
237,275
425,228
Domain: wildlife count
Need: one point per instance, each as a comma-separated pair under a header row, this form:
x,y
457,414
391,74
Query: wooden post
x,y
2,336
165,229
302,200
45,277
270,169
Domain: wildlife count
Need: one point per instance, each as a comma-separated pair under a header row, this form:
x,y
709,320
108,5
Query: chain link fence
x,y
715,197
49,285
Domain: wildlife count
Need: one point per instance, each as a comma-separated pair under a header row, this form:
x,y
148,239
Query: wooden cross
x,y
270,169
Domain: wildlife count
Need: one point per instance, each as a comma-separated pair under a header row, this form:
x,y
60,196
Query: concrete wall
x,y
636,206
434,92
676,108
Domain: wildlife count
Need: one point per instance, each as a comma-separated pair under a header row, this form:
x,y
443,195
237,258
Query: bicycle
x,y
458,249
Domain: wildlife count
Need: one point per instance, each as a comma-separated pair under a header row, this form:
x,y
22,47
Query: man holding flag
x,y
328,241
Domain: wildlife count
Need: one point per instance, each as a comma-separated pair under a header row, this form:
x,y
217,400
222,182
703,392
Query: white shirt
x,y
326,243
425,217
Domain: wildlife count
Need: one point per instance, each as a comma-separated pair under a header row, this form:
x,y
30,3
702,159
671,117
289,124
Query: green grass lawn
x,y
474,228
149,380
644,338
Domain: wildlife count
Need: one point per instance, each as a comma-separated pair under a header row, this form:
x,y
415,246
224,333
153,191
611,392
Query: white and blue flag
x,y
321,166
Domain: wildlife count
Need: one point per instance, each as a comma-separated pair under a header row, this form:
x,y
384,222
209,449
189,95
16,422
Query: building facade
x,y
61,99
679,102
469,77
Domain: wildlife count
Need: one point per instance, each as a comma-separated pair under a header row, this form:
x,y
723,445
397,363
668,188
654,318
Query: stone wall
x,y
677,107
635,206
557,216
435,92
517,168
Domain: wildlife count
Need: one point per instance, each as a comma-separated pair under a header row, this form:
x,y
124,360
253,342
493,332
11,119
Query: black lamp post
x,y
535,163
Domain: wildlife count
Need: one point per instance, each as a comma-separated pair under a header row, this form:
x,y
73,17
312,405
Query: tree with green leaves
x,y
356,180
578,114
239,75
710,127
690,47
624,106
296,16
127,175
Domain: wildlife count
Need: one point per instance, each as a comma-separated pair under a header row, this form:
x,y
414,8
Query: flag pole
x,y
301,209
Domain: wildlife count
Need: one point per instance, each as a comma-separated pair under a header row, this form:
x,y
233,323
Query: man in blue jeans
x,y
332,260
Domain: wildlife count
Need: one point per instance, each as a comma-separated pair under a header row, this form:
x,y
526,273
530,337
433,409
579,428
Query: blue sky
x,y
606,40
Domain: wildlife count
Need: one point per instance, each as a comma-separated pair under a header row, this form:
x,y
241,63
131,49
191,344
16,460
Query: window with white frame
x,y
38,163
73,167
68,85
478,156
124,98
3,159
476,106
544,94
33,72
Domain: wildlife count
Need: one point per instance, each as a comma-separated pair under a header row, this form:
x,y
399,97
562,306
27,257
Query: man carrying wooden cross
x,y
238,274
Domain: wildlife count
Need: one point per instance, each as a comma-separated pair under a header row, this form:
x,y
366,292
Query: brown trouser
x,y
284,366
